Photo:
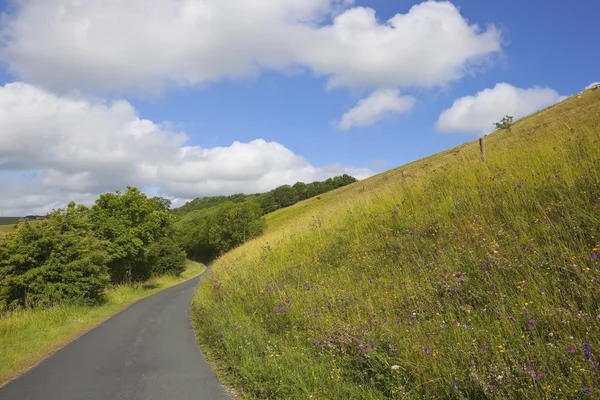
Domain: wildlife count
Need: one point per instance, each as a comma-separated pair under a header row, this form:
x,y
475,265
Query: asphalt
x,y
147,352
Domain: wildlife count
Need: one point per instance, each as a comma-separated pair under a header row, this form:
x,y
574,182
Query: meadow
x,y
6,229
27,336
448,278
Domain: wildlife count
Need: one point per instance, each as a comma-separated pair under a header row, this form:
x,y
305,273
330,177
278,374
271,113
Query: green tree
x,y
505,123
233,224
285,196
300,188
129,222
267,202
166,257
53,260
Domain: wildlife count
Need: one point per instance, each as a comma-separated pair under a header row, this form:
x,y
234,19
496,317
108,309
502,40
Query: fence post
x,y
482,147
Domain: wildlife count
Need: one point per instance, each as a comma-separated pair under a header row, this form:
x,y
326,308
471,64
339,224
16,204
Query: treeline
x,y
280,197
74,253
209,226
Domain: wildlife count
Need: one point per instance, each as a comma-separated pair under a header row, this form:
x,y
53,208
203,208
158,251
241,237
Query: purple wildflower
x,y
499,314
588,350
454,388
484,346
593,256
512,319
426,350
588,391
572,350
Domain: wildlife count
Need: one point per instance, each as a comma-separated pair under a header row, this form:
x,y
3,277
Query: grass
x,y
5,230
455,279
29,336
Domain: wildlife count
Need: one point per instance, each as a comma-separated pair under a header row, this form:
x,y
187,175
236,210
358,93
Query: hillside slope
x,y
445,278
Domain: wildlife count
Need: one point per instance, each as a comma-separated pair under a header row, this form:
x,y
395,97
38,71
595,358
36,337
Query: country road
x,y
146,352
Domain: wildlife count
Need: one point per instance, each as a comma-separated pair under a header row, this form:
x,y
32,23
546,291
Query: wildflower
x,y
588,350
499,314
394,367
572,350
593,256
499,377
426,350
512,319
484,346
454,388
588,391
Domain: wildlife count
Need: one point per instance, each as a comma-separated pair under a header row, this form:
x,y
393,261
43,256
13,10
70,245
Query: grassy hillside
x,y
454,279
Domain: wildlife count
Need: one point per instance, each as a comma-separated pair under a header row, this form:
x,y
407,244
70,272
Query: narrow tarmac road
x,y
147,352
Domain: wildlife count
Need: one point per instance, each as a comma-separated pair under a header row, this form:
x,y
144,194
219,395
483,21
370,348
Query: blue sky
x,y
95,111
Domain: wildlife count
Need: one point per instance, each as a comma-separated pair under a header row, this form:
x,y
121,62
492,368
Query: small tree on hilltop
x,y
505,123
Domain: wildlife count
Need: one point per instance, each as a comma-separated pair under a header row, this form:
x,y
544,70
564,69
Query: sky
x,y
192,98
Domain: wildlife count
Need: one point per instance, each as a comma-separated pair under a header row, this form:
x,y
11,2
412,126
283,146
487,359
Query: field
x,y
5,229
28,336
445,278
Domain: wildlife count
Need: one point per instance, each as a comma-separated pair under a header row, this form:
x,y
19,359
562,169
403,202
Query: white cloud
x,y
379,104
54,149
478,113
143,46
592,85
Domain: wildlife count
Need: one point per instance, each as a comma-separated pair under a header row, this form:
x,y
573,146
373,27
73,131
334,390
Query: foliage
x,y
233,224
205,234
505,123
460,280
129,222
54,260
166,257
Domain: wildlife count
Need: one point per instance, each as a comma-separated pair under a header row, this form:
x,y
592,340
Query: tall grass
x,y
28,336
462,279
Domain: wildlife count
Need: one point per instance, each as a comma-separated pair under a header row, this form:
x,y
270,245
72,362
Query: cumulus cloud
x,y
59,148
381,103
140,45
478,113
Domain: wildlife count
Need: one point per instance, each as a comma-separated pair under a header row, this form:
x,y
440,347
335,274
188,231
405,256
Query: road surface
x,y
147,352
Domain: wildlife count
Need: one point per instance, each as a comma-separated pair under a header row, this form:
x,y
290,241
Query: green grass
x,y
457,279
5,230
29,336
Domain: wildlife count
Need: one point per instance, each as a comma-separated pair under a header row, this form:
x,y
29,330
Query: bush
x,y
55,260
130,222
165,257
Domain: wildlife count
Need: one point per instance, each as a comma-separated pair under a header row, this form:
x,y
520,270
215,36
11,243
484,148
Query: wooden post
x,y
482,148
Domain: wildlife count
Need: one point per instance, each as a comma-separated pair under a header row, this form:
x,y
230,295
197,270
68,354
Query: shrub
x,y
165,257
55,260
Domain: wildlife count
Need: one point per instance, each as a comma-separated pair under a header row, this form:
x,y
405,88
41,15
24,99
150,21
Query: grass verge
x,y
29,336
446,278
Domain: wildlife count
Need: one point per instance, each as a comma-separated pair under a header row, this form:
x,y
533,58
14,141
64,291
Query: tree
x,y
166,257
129,222
54,260
267,202
505,123
233,224
162,203
285,196
300,188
